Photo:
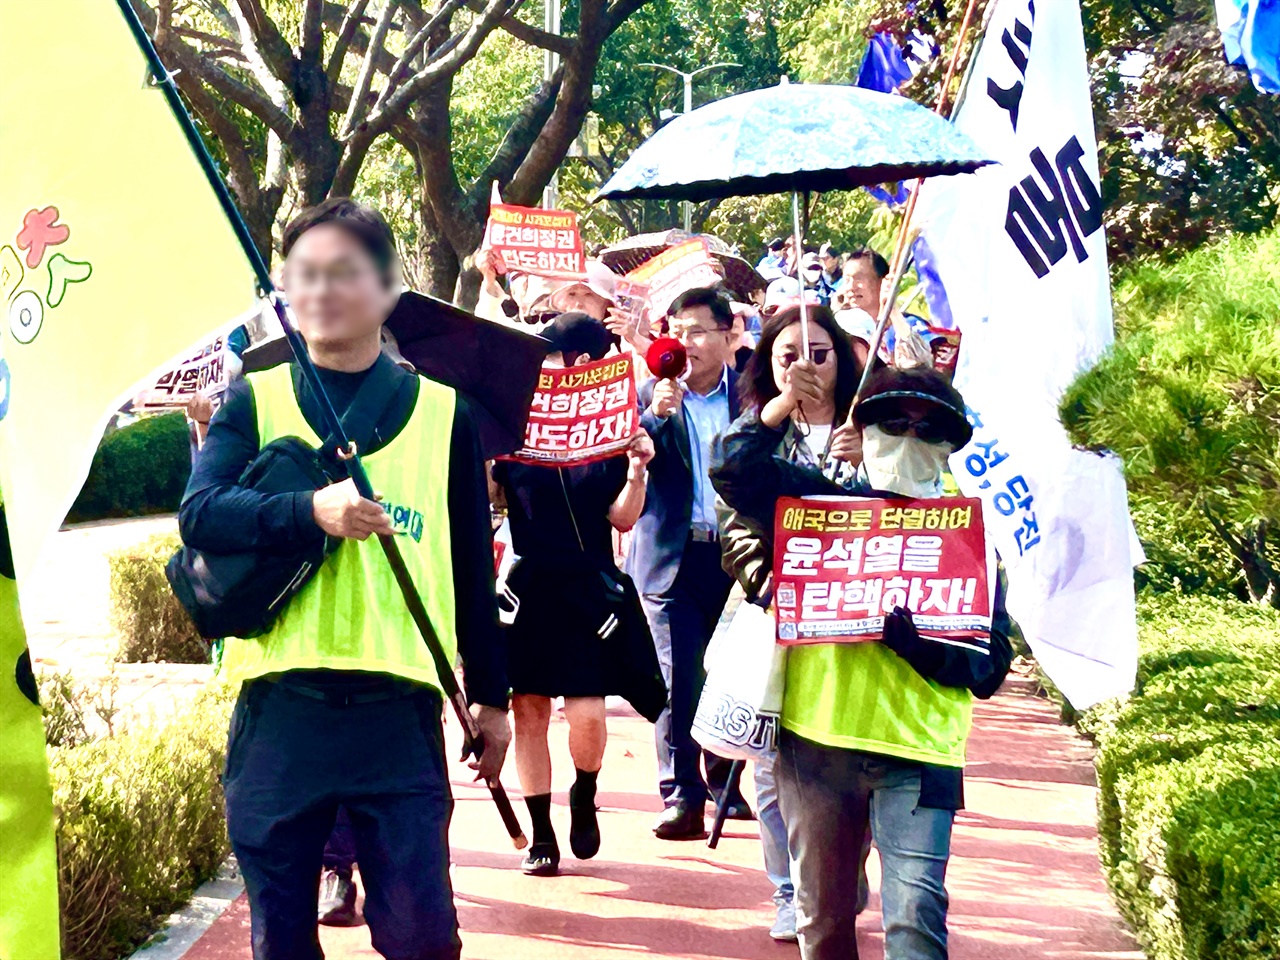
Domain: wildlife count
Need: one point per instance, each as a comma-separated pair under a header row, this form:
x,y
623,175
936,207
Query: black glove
x,y
900,636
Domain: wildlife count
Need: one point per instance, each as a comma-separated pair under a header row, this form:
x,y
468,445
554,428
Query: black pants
x,y
682,621
292,760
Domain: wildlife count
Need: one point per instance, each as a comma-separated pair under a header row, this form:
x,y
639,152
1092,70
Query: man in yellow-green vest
x,y
339,703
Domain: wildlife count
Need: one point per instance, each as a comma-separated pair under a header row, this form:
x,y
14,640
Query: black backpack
x,y
242,594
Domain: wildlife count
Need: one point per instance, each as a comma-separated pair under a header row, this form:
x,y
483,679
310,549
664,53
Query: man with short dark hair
x,y
675,552
772,261
339,702
864,274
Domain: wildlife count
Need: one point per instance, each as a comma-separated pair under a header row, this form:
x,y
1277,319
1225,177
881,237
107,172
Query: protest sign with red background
x,y
532,240
841,564
675,270
581,414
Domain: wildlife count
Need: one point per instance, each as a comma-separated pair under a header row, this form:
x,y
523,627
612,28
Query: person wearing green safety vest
x,y
873,734
339,704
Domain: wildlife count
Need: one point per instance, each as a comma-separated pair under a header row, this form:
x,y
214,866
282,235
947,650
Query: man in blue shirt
x,y
675,552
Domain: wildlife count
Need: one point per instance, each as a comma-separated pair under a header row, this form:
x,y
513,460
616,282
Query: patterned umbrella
x,y
626,255
793,138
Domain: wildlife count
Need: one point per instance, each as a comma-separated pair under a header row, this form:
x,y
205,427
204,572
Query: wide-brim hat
x,y
599,279
889,386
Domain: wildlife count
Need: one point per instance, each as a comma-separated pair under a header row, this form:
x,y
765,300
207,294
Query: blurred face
x,y
581,298
864,285
709,347
335,288
789,347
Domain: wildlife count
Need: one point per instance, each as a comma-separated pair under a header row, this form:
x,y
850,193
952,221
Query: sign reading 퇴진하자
x,y
532,240
841,564
675,270
581,414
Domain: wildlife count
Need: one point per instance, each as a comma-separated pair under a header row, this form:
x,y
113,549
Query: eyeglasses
x,y
680,331
308,276
817,354
930,431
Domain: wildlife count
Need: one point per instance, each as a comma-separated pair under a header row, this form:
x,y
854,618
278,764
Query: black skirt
x,y
554,648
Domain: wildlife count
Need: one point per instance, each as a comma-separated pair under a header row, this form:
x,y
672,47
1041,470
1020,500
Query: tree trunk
x,y
438,263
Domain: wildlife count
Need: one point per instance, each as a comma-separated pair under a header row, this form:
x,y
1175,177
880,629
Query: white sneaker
x,y
784,925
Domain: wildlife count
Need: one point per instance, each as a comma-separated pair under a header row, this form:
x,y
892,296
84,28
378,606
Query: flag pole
x,y
901,257
473,738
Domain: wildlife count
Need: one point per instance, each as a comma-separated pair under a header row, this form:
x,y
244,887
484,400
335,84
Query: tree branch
x,y
256,102
259,31
365,77
311,46
525,33
519,137
346,33
413,48
446,63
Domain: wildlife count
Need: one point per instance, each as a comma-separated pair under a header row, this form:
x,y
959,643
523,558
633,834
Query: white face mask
x,y
904,465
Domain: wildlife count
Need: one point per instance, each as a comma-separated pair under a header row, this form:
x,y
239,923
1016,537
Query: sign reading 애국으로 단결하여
x,y
841,564
581,414
531,240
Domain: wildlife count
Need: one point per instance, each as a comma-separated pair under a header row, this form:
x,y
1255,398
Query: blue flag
x,y
1251,38
884,68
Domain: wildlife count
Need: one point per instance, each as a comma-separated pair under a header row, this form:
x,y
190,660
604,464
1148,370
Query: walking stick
x,y
472,738
722,805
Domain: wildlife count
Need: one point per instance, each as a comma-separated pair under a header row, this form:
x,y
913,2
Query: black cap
x,y
578,333
889,386
776,243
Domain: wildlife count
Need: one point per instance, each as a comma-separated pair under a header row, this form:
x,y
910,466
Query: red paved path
x,y
1024,880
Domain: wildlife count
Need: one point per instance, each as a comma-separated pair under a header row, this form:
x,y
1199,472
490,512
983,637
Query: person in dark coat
x,y
675,552
562,519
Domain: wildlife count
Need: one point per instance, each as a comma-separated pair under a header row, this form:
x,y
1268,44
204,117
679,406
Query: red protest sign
x,y
841,564
675,270
531,240
581,414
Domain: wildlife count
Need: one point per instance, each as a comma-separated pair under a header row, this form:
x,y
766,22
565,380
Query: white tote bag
x,y
741,702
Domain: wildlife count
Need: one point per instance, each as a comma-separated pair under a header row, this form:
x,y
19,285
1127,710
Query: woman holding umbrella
x,y
560,643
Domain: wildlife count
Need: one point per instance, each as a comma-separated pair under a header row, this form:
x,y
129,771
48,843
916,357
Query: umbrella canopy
x,y
625,255
793,137
496,367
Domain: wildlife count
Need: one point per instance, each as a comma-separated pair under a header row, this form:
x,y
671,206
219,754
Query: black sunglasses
x,y
930,431
818,355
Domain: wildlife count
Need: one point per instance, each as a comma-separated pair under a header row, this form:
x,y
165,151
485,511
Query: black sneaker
x,y
338,900
542,860
584,829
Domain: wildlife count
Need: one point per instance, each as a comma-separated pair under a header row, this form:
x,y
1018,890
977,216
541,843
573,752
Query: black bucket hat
x,y
890,385
578,333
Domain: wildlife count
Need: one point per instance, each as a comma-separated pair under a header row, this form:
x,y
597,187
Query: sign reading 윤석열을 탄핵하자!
x,y
840,565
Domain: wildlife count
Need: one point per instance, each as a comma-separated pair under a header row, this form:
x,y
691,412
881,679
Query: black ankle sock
x,y
540,813
584,788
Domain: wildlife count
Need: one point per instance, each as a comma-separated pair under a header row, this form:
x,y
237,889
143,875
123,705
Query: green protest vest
x,y
863,696
351,615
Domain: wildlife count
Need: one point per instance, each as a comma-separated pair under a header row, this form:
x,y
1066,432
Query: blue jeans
x,y
828,796
292,762
773,831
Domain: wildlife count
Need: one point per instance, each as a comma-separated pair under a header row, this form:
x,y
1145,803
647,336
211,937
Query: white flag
x,y
1020,250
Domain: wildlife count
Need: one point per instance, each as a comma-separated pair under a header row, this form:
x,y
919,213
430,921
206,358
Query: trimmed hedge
x,y
152,624
138,470
1189,782
140,826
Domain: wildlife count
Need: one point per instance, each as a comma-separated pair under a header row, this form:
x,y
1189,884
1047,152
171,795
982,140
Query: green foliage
x,y
1189,782
151,623
137,470
140,825
1189,397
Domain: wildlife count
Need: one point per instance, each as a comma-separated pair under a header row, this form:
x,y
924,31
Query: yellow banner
x,y
115,258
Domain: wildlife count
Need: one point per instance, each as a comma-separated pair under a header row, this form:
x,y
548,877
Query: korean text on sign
x,y
841,565
581,414
530,240
675,270
204,373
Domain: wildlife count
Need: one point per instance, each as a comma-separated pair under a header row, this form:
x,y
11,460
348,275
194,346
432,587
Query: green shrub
x,y
75,712
1189,782
140,826
152,624
139,469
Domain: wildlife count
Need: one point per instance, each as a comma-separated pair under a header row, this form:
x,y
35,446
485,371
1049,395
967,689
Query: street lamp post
x,y
688,108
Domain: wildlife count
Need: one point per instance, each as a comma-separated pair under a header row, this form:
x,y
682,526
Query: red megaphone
x,y
666,358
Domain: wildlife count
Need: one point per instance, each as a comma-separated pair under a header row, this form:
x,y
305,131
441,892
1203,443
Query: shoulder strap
x,y
375,395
